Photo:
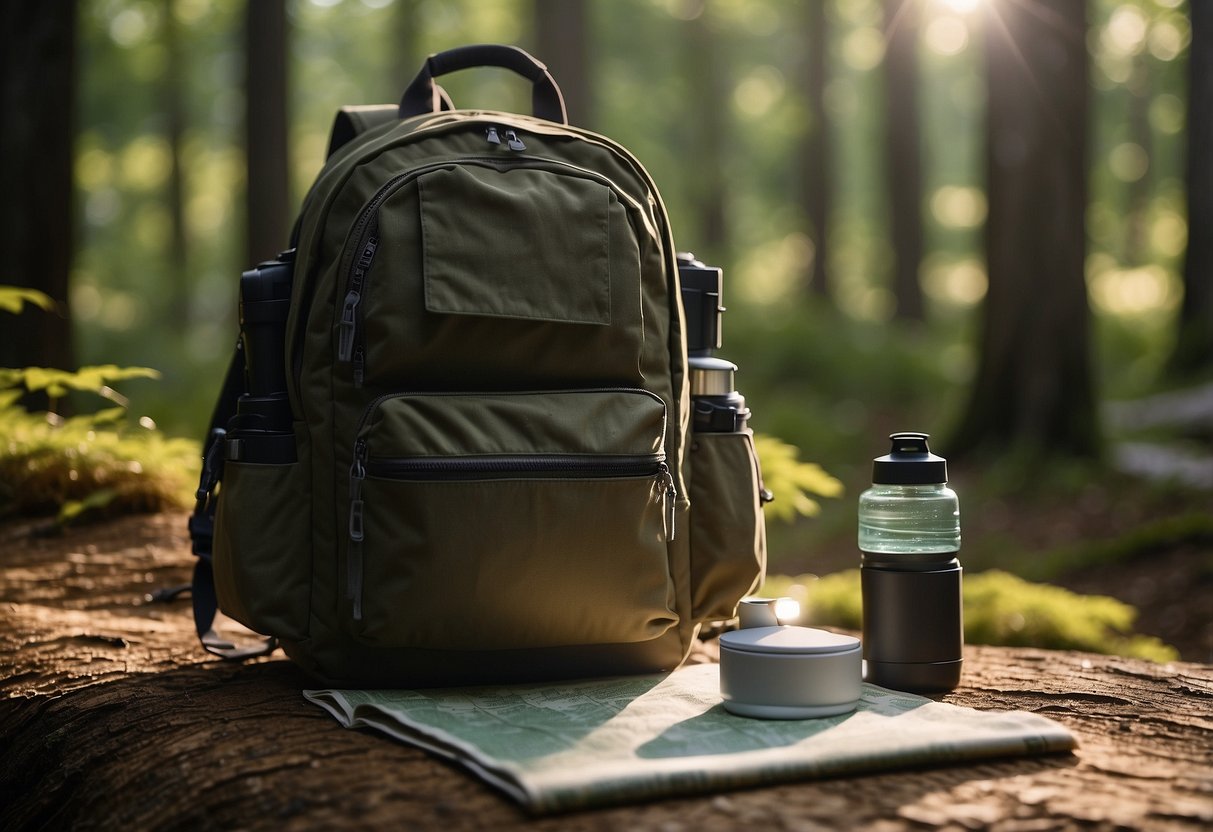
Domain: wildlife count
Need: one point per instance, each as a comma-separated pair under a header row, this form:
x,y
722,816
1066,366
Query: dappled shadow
x,y
718,732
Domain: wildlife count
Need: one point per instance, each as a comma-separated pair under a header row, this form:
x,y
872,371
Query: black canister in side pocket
x,y
728,532
262,549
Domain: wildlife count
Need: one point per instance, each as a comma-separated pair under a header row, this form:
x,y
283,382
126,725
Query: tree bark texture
x,y
37,225
266,129
1194,345
903,154
111,717
1034,387
562,41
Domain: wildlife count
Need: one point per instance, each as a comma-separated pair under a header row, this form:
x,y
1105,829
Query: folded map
x,y
572,745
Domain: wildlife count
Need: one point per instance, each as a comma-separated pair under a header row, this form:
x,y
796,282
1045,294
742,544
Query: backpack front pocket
x,y
536,257
510,521
262,556
728,531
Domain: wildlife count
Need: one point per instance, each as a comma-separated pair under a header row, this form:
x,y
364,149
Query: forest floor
x,y
1139,530
1144,533
112,717
1118,538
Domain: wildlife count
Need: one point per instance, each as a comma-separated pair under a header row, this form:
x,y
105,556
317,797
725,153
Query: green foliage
x,y
138,292
791,480
57,383
999,608
14,298
84,464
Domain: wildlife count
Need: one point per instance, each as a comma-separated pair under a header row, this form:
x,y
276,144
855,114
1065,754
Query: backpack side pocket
x,y
262,557
728,532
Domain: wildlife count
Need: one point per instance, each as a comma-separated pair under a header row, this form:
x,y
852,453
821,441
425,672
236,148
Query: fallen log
x,y
111,717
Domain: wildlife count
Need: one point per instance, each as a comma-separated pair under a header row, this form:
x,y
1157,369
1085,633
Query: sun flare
x,y
961,6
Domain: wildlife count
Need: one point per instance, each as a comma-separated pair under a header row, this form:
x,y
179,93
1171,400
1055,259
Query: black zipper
x,y
350,346
436,126
453,469
456,468
432,468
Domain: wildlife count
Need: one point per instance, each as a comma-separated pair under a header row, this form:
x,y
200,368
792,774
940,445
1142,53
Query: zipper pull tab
x,y
353,559
348,326
357,475
359,364
367,257
514,142
671,498
491,135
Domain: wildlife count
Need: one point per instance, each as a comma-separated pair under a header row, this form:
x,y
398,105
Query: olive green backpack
x,y
477,465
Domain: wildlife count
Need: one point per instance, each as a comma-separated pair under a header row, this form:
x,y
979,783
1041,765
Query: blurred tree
x,y
562,42
265,128
174,93
706,87
1193,350
405,48
38,66
1136,248
815,146
903,157
1034,386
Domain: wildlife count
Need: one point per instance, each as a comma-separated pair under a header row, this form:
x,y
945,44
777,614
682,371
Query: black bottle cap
x,y
909,462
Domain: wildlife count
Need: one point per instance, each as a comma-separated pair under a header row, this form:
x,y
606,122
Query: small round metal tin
x,y
789,672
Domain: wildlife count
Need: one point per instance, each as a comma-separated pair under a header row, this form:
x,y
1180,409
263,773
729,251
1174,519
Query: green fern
x,y
89,464
97,463
14,299
792,481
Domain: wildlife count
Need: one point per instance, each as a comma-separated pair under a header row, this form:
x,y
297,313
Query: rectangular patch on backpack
x,y
523,243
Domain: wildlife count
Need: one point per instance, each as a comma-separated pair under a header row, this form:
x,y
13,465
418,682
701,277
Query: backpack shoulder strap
x,y
202,522
357,119
354,120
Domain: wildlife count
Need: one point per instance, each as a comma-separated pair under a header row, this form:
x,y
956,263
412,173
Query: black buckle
x,y
202,534
212,466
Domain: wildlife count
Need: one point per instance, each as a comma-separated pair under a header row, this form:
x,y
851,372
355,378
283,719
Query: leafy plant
x,y
999,608
14,299
57,383
792,481
85,464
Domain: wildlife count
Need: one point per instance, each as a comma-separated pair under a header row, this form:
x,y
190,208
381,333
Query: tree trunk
x,y
903,156
1137,208
174,108
562,41
266,129
707,109
406,45
37,227
815,153
1034,386
1193,352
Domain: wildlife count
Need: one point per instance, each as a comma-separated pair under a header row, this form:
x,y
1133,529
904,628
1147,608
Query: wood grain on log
x,y
112,717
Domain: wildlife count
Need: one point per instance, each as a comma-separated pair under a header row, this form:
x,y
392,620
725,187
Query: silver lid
x,y
788,640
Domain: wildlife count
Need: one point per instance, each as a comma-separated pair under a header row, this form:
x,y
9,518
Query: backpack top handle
x,y
421,96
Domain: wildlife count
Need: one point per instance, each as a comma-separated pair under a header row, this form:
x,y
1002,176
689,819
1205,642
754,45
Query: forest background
x,y
970,217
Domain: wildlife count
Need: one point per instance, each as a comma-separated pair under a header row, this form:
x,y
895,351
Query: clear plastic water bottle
x,y
909,536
